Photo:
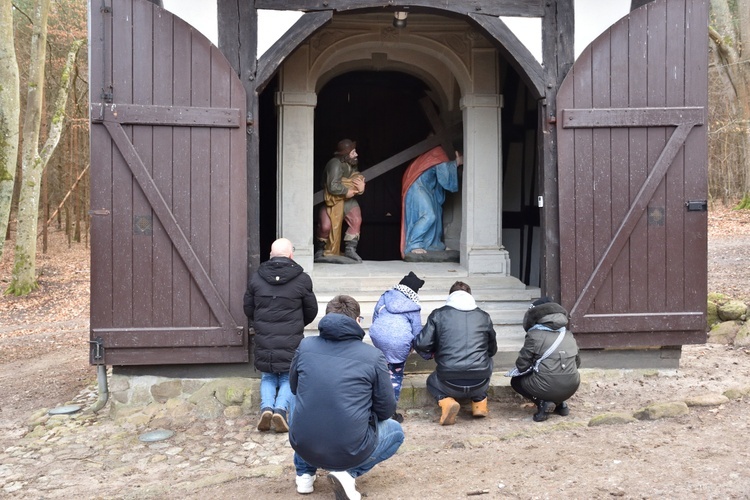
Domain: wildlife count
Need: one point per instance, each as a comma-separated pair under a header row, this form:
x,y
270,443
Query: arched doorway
x,y
380,110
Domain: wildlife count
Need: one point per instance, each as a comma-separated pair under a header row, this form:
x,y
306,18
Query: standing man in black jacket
x,y
463,340
341,420
279,302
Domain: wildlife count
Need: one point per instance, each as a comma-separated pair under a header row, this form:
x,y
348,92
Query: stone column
x,y
481,239
295,172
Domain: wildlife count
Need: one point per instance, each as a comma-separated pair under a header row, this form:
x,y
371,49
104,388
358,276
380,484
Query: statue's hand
x,y
359,184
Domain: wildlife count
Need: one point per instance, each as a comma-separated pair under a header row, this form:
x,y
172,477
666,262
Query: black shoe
x,y
279,421
541,411
398,418
562,409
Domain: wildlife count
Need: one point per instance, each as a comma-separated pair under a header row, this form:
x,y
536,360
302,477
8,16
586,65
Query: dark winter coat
x,y
343,390
396,320
557,378
279,302
462,338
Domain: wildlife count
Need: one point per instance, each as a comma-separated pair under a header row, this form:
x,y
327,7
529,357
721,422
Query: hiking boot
x,y
562,409
264,424
541,411
279,421
479,408
305,483
398,417
450,409
344,486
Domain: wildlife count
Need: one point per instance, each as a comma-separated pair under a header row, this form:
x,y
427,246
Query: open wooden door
x,y
168,192
632,176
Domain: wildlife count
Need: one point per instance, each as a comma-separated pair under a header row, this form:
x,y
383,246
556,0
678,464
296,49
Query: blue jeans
x,y
275,392
390,437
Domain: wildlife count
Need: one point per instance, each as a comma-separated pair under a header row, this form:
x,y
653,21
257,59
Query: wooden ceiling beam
x,y
515,8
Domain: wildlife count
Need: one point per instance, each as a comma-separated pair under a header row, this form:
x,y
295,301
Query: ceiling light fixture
x,y
399,19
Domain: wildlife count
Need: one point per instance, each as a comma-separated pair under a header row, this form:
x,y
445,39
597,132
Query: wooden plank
x,y
219,185
632,117
271,60
238,211
101,175
150,337
640,339
174,116
638,322
696,155
674,248
142,139
520,8
583,174
638,166
602,167
200,175
163,173
176,356
620,148
176,233
122,197
181,146
655,263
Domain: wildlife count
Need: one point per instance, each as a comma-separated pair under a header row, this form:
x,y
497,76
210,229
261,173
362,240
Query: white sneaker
x,y
344,486
305,483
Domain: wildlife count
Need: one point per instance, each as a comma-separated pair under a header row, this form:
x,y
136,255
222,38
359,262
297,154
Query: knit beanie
x,y
547,313
412,281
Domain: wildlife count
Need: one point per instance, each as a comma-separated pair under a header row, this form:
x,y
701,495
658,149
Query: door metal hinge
x,y
96,351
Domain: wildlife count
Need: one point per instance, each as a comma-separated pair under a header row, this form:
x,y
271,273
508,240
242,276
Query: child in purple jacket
x,y
395,322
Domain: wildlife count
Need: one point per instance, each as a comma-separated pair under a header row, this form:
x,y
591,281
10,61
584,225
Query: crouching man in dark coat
x,y
341,421
546,370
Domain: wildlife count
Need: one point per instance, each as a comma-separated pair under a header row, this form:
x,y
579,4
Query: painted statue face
x,y
352,158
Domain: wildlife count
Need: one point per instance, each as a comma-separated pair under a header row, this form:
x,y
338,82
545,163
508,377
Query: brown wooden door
x,y
168,191
632,176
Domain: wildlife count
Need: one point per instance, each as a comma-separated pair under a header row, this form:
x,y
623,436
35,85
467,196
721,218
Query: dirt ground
x,y
703,454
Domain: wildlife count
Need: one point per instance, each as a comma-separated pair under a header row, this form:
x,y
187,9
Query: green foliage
x,y
744,204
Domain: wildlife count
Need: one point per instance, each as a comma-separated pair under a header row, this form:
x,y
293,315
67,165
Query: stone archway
x,y
460,68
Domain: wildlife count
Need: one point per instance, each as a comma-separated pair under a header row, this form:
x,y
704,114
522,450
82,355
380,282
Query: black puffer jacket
x,y
343,390
462,338
279,302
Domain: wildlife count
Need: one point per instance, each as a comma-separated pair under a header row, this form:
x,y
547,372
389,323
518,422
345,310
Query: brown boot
x,y
479,408
450,409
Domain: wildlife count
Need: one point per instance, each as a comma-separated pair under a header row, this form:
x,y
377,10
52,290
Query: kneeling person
x,y
341,420
463,341
546,370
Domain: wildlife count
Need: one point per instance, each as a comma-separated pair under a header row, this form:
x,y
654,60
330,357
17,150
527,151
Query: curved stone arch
x,y
425,59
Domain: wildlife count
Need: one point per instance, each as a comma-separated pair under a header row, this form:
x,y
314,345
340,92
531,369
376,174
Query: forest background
x,y
44,126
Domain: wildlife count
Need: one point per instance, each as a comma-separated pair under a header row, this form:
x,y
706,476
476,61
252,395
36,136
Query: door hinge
x,y
96,351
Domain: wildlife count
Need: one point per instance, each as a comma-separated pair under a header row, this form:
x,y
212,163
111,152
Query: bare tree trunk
x,y
729,33
34,161
10,110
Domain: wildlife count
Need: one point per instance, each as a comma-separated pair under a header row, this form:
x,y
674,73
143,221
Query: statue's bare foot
x,y
419,250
